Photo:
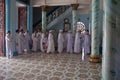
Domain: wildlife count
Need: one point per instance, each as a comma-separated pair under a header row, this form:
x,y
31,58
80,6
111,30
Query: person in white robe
x,y
17,40
8,38
51,45
27,41
21,42
69,42
65,40
34,40
86,42
39,39
60,41
77,46
43,42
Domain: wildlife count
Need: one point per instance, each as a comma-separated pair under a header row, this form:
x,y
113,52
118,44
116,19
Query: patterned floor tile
x,y
42,66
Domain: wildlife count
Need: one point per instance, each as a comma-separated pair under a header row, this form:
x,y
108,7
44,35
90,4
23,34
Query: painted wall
x,y
36,14
22,17
83,18
2,27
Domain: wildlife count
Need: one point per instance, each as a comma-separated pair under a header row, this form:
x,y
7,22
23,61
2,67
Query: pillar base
x,y
95,59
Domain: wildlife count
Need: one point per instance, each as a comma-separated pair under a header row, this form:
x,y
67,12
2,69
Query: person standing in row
x,y
17,41
60,41
9,47
43,42
39,39
86,42
77,46
69,42
27,41
34,41
51,45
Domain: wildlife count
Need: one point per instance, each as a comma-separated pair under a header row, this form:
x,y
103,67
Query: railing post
x,y
44,18
74,17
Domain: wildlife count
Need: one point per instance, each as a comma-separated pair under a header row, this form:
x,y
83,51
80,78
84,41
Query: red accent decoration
x,y
22,17
2,27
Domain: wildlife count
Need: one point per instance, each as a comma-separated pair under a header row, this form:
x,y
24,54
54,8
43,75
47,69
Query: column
x,y
13,24
29,19
44,20
111,46
2,27
90,22
74,17
95,57
7,21
7,15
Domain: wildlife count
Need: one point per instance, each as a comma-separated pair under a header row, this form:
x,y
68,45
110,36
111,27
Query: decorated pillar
x,y
22,17
7,21
7,16
111,38
74,17
29,19
44,20
13,23
95,57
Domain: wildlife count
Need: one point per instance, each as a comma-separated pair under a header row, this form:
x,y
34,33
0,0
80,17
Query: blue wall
x,y
82,17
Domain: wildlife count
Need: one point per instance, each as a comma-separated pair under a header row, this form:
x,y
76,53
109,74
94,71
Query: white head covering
x,y
50,31
60,30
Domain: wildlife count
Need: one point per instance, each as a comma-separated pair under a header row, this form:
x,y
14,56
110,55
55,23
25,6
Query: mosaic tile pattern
x,y
43,66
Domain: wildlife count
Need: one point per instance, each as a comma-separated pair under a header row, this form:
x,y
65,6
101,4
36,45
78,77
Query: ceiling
x,y
37,3
83,4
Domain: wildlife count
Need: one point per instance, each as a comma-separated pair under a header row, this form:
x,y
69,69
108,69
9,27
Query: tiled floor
x,y
42,66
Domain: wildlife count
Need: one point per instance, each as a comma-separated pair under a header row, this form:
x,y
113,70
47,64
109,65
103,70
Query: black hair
x,y
87,30
8,31
17,30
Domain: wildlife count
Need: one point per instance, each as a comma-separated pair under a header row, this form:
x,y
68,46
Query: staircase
x,y
56,16
60,18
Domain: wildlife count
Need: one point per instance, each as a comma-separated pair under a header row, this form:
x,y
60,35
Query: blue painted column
x,y
29,19
74,17
90,22
44,20
111,38
94,57
7,21
7,15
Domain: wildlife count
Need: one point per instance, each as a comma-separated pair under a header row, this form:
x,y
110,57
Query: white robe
x,y
20,43
69,43
43,41
35,40
8,46
77,47
17,41
65,40
60,42
86,42
39,40
51,46
27,41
